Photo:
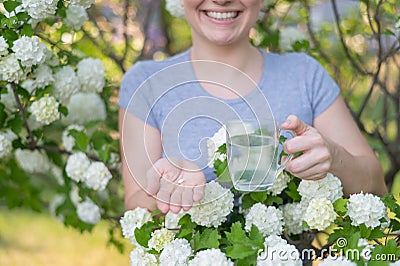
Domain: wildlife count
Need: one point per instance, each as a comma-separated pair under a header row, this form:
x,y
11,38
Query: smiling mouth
x,y
222,15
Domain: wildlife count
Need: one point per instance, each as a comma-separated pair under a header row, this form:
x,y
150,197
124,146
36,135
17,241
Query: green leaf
x,y
11,5
81,139
395,224
292,192
99,139
187,227
271,199
389,32
256,236
340,206
15,124
241,246
239,251
10,35
390,202
27,30
62,109
390,250
376,233
209,238
3,114
365,231
259,196
143,234
247,201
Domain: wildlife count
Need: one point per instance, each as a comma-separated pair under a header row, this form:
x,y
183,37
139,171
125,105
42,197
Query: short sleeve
x,y
135,95
322,89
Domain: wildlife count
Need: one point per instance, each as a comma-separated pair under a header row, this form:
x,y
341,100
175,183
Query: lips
x,y
222,15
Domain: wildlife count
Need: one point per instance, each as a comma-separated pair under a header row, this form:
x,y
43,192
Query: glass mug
x,y
253,154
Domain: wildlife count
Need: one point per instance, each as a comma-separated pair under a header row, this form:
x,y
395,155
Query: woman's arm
x,y
336,145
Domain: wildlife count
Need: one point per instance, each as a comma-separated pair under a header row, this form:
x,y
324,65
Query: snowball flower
x,y
32,161
280,183
30,51
329,187
293,217
214,207
159,238
45,110
175,8
278,253
213,144
5,146
91,75
133,219
85,107
40,9
337,261
10,70
84,3
8,98
77,166
67,140
76,16
139,257
176,253
319,214
172,219
210,257
89,212
366,209
43,76
66,83
268,219
97,176
3,46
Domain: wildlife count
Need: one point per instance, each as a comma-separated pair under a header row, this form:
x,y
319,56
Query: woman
x,y
299,91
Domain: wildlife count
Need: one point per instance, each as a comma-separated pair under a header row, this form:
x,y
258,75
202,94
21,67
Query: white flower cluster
x,y
30,51
280,183
45,110
76,16
56,202
366,209
279,252
43,76
91,75
5,146
85,107
40,9
210,257
214,207
89,212
213,144
84,3
10,70
66,83
3,46
160,238
68,141
172,219
320,214
95,175
176,253
140,257
337,261
175,8
133,219
293,217
329,187
32,161
268,219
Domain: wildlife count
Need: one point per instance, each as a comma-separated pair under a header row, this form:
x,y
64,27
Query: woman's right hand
x,y
175,184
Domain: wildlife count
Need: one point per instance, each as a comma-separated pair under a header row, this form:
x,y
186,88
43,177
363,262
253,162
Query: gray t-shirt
x,y
166,95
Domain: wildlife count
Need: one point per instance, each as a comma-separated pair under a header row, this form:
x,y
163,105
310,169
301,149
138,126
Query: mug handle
x,y
283,165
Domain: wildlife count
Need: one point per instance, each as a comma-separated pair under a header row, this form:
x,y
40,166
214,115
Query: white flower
x,y
279,253
85,107
45,110
367,250
3,46
319,214
366,209
91,75
97,176
293,217
77,166
76,16
329,187
114,162
213,144
175,8
268,219
84,3
288,36
32,161
214,207
210,257
67,140
57,174
172,219
10,70
89,212
56,202
8,98
30,51
28,85
43,76
280,183
337,261
139,257
133,219
40,9
159,238
74,195
176,253
397,263
5,146
66,83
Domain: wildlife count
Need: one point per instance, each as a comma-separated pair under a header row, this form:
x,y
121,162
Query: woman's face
x,y
221,22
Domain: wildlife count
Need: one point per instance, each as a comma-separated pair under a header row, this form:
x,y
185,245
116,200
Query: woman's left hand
x,y
317,152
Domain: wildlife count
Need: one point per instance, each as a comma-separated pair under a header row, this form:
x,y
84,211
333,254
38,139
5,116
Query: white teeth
x,y
222,15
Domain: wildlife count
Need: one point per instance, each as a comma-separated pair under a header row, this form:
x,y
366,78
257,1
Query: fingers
x,y
310,166
164,195
295,124
198,193
152,185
